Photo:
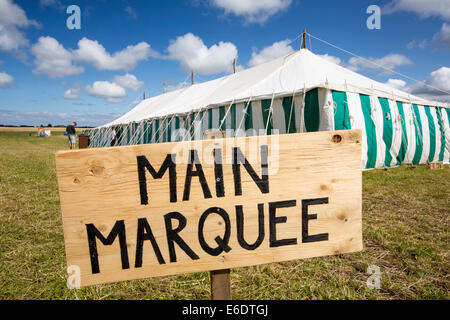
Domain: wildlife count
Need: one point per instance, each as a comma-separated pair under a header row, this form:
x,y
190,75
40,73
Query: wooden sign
x,y
162,209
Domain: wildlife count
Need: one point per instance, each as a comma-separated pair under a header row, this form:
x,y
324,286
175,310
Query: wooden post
x,y
220,279
83,141
234,65
304,38
192,77
220,284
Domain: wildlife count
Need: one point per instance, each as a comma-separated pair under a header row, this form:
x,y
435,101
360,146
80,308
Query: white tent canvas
x,y
300,92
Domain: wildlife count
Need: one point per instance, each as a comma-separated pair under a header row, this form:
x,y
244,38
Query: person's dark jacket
x,y
70,129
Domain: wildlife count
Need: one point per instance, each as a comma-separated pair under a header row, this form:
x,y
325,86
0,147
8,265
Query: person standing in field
x,y
71,132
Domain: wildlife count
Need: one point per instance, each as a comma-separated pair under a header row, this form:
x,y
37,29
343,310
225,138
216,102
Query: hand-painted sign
x,y
169,208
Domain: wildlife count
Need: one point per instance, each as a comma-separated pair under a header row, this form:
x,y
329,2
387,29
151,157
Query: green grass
x,y
405,230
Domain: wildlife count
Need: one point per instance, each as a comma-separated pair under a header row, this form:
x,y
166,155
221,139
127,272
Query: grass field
x,y
405,230
34,129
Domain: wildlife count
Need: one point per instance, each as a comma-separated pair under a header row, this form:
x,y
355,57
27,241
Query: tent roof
x,y
298,71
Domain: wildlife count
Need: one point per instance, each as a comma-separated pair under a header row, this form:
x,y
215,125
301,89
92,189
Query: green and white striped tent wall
x,y
397,128
394,132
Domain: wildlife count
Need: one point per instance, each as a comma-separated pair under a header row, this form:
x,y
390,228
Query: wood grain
x,y
100,186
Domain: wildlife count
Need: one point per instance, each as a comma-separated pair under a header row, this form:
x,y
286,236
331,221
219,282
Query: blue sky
x,y
51,74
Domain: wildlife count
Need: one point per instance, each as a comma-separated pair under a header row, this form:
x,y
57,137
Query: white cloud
x,y
12,19
109,91
72,94
112,92
425,8
6,80
194,55
276,50
130,10
443,37
128,81
390,61
253,11
331,59
53,59
417,44
11,38
397,84
11,13
92,52
437,85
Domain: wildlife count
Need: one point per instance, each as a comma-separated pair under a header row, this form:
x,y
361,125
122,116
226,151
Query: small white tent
x,y
301,92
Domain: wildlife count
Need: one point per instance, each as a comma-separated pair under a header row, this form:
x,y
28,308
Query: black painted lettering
x,y
222,243
274,220
144,232
169,163
306,237
173,236
262,183
117,230
240,227
193,160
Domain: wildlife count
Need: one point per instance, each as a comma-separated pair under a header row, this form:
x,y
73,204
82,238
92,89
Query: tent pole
x,y
234,65
304,38
192,77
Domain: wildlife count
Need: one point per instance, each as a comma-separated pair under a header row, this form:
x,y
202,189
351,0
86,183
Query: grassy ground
x,y
405,230
34,129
